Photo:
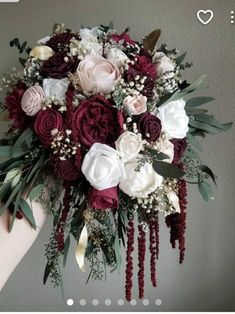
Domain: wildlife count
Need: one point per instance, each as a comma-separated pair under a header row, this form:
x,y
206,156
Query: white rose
x,y
174,119
165,66
135,105
117,56
102,167
140,183
89,47
129,145
173,199
89,34
55,89
163,145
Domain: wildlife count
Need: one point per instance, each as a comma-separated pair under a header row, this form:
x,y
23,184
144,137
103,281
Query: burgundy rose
x,y
103,199
150,127
13,103
65,169
97,121
180,146
46,121
124,36
143,66
56,67
61,41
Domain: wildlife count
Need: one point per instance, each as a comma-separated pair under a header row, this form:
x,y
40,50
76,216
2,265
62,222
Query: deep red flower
x,y
56,67
46,121
103,199
60,42
124,36
180,146
65,169
97,121
13,103
149,126
142,66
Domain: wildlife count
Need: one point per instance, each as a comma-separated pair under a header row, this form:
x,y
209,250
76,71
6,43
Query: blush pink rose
x,y
135,105
97,75
32,99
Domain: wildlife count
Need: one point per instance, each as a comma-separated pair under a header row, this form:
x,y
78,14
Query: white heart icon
x,y
201,15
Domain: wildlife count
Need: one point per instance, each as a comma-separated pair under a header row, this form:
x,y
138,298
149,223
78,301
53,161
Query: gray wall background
x,y
206,279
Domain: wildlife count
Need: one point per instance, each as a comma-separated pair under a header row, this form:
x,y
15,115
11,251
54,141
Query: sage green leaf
x,y
208,171
36,167
27,211
22,62
206,191
47,272
193,142
167,170
13,176
5,151
66,250
3,191
117,252
180,58
25,137
198,101
36,191
194,111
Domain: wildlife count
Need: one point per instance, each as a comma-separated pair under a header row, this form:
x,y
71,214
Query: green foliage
x,y
167,170
205,190
198,101
180,58
27,211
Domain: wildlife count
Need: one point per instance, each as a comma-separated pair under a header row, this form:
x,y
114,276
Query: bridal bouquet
x,y
105,121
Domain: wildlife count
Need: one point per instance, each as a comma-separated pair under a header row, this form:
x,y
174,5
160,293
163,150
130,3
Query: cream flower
x,y
117,56
163,145
140,183
135,105
129,145
55,89
102,167
165,67
31,102
174,119
97,74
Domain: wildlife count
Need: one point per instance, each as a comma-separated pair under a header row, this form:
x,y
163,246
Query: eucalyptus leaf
x,y
36,167
167,170
180,58
193,142
208,171
66,250
198,101
13,176
5,151
47,272
117,252
25,137
36,191
28,213
205,191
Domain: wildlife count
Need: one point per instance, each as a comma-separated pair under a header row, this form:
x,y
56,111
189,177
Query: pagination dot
x,y
158,302
95,302
107,302
70,302
82,302
120,302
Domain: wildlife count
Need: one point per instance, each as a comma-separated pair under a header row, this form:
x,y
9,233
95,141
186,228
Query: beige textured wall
x,y
206,280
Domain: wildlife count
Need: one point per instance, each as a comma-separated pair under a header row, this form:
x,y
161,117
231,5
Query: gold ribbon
x,y
41,52
81,248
